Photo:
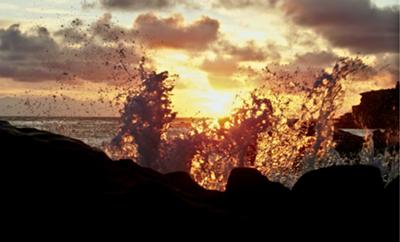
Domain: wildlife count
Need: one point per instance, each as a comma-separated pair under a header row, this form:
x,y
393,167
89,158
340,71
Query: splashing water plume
x,y
259,134
146,116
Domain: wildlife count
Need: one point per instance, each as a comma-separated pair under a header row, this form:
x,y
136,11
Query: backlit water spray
x,y
257,134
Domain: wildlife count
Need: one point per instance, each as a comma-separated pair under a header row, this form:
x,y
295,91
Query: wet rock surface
x,y
55,179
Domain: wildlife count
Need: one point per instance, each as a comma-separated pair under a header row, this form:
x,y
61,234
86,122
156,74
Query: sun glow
x,y
217,103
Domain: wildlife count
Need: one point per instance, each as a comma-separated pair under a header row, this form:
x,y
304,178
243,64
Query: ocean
x,y
94,131
97,131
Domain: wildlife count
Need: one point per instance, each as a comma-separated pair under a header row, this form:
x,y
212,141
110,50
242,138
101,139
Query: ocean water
x,y
97,131
359,132
94,131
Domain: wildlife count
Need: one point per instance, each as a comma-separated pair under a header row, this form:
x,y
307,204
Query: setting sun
x,y
217,103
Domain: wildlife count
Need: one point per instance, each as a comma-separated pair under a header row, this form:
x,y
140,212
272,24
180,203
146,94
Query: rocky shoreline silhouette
x,y
53,178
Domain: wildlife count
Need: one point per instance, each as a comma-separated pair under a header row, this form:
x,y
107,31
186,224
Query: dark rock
x,y
336,182
347,143
391,208
378,109
341,200
250,180
346,121
184,183
379,139
56,179
42,162
252,196
250,190
387,140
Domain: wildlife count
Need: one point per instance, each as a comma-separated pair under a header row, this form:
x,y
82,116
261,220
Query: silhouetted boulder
x,y
387,140
56,179
249,180
183,182
342,201
378,109
347,143
252,195
262,205
380,141
391,208
39,162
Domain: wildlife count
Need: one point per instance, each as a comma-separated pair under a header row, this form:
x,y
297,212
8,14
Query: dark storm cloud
x,y
358,25
173,32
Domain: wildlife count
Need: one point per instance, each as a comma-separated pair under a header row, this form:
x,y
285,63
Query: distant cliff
x,y
378,109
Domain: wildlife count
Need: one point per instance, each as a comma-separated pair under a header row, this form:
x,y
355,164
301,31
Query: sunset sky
x,y
72,49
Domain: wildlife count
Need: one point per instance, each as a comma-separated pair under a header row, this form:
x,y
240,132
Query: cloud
x,y
21,54
220,66
315,59
387,68
357,25
173,32
86,5
102,29
73,34
248,52
226,70
148,29
136,4
220,72
35,55
235,4
99,51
